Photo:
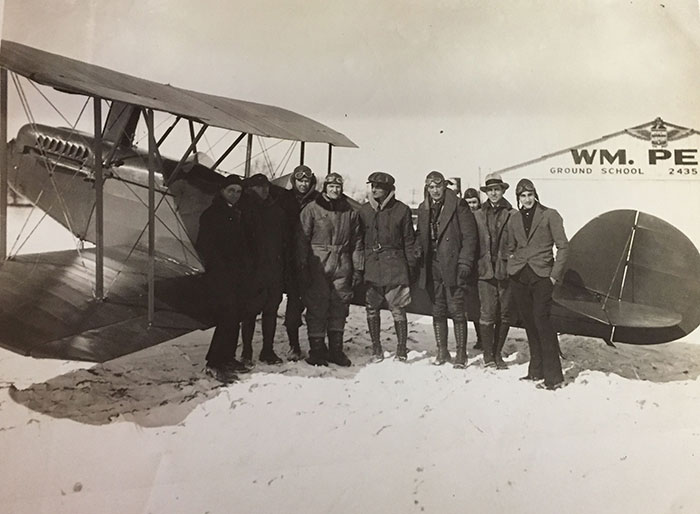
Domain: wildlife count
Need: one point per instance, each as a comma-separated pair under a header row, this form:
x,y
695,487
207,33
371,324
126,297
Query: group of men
x,y
258,241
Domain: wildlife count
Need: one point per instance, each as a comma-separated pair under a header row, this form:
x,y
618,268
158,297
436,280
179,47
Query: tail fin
x,y
120,127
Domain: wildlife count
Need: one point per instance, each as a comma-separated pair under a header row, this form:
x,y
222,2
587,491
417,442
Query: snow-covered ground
x,y
150,433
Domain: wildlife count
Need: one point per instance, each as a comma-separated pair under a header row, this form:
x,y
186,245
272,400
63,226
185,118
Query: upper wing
x,y
47,307
80,77
634,272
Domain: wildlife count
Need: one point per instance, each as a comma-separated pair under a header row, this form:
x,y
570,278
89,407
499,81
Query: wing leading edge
x,y
79,77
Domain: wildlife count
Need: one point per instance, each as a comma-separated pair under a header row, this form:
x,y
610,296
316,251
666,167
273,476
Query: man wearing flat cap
x,y
390,261
447,241
274,241
533,270
494,287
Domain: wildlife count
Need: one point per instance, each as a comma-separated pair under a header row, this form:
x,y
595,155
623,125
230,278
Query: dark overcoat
x,y
227,245
274,239
389,241
457,239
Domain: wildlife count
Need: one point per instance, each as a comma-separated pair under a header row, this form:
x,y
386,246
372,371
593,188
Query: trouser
x,y
224,342
495,297
325,309
533,295
396,297
273,298
446,299
293,312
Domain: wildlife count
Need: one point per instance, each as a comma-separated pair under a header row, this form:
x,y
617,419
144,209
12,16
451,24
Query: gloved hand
x,y
463,274
357,278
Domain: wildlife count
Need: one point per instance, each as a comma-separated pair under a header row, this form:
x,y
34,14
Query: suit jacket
x,y
536,250
457,238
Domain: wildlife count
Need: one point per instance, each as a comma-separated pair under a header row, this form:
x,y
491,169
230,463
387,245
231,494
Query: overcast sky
x,y
448,85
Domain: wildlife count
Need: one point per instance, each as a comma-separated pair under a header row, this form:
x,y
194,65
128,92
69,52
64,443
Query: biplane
x,y
631,277
140,283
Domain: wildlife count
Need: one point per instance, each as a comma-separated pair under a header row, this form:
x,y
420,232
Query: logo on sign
x,y
659,134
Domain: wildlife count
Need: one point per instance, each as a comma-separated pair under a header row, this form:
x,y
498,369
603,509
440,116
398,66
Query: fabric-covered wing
x,y
634,272
75,76
47,307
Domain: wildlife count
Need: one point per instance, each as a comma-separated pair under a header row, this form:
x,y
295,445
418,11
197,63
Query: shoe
x,y
268,356
318,353
336,355
236,366
221,374
294,354
550,387
531,377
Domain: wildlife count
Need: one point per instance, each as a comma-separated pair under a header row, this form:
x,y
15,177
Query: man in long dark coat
x,y
390,261
274,241
533,270
226,243
447,240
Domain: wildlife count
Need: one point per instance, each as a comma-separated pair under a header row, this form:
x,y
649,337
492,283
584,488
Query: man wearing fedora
x,y
494,286
447,240
390,262
533,271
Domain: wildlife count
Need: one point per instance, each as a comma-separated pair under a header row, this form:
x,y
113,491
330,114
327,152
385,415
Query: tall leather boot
x,y
501,334
318,353
374,323
247,330
401,327
460,328
294,352
267,354
440,329
487,337
336,354
477,329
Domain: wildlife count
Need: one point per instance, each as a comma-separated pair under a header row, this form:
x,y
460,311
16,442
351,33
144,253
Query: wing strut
x,y
330,157
3,164
152,148
301,152
248,155
99,196
228,151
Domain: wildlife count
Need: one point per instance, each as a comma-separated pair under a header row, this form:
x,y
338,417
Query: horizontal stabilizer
x,y
623,314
